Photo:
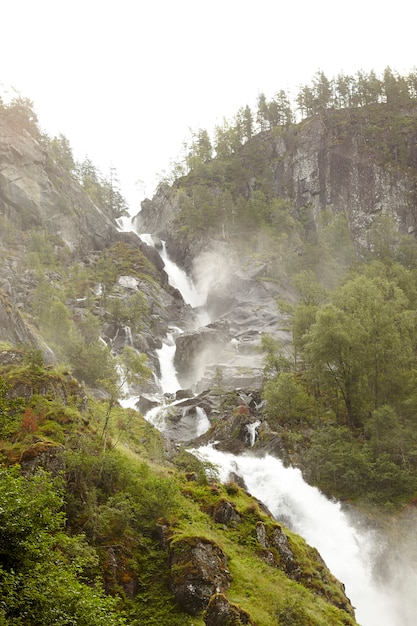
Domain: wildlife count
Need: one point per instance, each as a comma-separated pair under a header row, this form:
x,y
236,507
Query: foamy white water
x,y
179,279
203,422
168,379
349,552
253,432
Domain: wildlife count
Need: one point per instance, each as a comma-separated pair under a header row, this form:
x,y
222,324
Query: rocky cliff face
x,y
358,162
41,202
35,192
329,162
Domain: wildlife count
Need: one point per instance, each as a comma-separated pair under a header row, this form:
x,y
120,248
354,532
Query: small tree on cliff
x,y
132,370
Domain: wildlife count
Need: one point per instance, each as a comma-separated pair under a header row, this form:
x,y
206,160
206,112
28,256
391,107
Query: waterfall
x,y
383,591
203,422
179,279
128,336
168,378
349,552
252,430
193,423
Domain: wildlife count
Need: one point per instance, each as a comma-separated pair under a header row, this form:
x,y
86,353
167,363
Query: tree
x,y
322,91
21,114
41,568
287,401
384,430
227,140
133,370
90,362
361,345
61,152
284,112
305,101
343,90
262,113
89,178
395,89
244,120
113,200
274,360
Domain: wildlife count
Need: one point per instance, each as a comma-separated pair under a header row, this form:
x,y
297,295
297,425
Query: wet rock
x,y
225,513
196,349
221,612
183,423
277,539
13,328
146,402
183,394
199,569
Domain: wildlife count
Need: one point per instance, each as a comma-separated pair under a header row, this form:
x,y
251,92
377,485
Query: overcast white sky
x,y
125,80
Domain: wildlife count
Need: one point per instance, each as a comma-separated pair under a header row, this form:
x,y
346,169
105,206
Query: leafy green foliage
x,y
41,569
361,344
61,152
354,366
21,114
9,409
274,360
287,400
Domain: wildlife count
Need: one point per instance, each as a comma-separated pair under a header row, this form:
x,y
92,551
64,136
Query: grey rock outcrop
x,y
221,612
320,170
199,569
225,513
278,541
196,349
36,192
13,328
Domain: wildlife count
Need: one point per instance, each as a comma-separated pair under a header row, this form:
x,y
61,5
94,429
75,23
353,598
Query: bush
x,y
40,567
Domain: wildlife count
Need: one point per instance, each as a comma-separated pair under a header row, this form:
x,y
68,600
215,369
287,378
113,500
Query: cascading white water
x,y
203,422
349,550
179,279
252,430
193,424
349,553
168,377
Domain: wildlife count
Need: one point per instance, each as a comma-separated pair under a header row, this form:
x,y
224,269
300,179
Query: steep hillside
x,y
69,275
319,216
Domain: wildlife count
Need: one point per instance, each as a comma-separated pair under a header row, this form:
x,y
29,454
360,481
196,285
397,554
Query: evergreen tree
x,y
262,114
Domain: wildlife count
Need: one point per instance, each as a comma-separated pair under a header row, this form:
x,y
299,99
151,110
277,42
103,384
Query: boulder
x,y
225,513
221,612
199,569
278,541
